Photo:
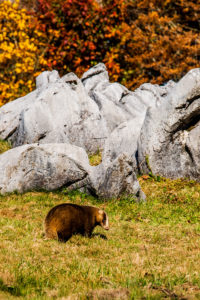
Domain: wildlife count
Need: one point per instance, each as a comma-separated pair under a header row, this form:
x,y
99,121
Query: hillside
x,y
150,252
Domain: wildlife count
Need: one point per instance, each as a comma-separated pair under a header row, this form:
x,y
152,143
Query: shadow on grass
x,y
13,290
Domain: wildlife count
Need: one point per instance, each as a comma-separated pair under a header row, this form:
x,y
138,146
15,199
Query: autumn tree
x,y
139,41
21,48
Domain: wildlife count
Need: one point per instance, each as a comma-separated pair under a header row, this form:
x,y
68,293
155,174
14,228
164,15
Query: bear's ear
x,y
101,212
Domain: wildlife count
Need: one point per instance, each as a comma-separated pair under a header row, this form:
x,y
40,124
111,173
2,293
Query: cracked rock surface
x,y
169,142
154,128
47,167
58,111
52,166
123,110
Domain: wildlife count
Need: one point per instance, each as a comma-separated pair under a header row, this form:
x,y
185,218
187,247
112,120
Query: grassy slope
x,y
151,250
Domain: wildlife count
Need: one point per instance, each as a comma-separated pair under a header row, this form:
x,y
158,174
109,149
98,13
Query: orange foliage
x,y
139,41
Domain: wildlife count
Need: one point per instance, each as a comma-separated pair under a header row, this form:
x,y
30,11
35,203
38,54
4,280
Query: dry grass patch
x,y
151,250
96,158
4,146
104,294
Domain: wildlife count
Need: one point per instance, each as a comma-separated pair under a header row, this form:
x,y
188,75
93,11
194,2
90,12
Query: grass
x,y
151,250
95,158
4,146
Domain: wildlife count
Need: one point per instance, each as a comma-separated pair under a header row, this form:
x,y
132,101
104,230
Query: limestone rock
x,y
155,128
169,142
47,167
116,103
115,179
52,166
10,113
59,111
124,137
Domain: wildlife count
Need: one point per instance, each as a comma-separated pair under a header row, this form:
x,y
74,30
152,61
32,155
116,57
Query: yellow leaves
x,y
42,61
16,4
39,34
21,25
20,50
167,2
18,70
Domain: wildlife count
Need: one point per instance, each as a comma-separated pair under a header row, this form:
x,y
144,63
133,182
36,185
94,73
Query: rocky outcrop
x,y
125,136
123,110
116,103
153,129
59,111
169,141
46,167
52,166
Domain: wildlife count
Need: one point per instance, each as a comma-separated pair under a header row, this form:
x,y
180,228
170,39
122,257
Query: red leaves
x,y
141,40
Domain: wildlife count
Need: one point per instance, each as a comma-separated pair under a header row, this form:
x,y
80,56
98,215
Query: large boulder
x,y
10,113
115,179
53,166
169,141
108,96
48,167
59,111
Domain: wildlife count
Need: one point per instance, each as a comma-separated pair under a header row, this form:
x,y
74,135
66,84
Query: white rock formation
x,y
48,167
169,142
52,166
155,128
59,111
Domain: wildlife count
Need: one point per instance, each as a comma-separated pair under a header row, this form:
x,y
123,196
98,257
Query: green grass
x,y
151,250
